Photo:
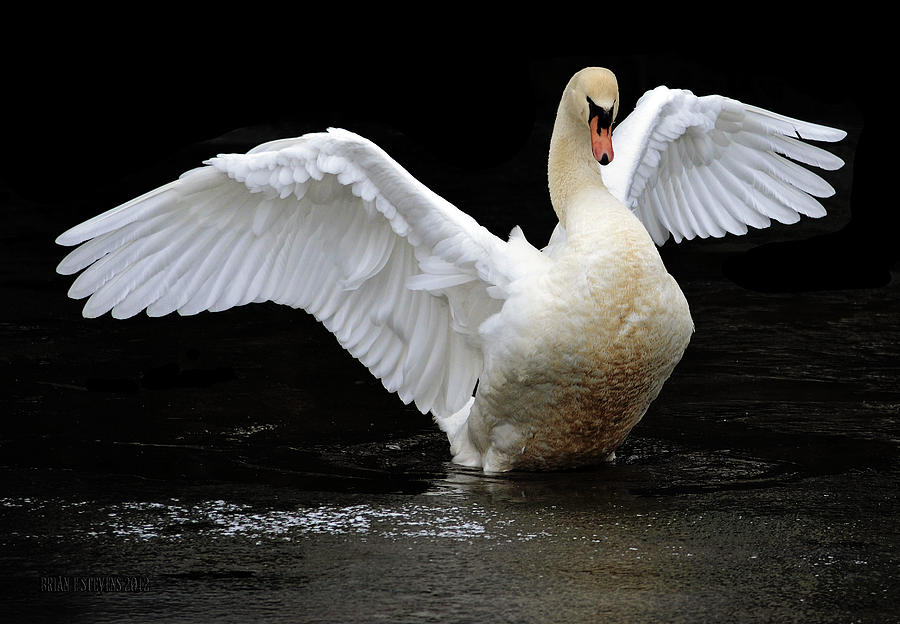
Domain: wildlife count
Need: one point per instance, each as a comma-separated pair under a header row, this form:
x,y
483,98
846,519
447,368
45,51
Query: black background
x,y
105,118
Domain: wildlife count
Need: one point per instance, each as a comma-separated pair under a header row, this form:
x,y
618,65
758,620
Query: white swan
x,y
569,345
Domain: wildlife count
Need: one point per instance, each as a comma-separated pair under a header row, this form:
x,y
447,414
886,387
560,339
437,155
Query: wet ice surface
x,y
672,533
760,487
250,470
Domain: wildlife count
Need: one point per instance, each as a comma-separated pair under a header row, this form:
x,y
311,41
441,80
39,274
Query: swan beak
x,y
601,141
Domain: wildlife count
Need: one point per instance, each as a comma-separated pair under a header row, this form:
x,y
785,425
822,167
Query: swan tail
x,y
456,427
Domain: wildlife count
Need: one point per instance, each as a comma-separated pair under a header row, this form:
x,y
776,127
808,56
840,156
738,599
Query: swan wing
x,y
705,166
326,222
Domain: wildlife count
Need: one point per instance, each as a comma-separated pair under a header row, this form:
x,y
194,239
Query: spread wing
x,y
325,222
703,166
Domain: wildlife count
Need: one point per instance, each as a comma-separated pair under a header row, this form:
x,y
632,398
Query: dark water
x,y
241,467
760,487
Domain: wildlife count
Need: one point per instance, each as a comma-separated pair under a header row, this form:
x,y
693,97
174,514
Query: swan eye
x,y
604,115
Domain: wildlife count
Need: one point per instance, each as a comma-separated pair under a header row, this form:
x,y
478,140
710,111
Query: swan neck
x,y
572,168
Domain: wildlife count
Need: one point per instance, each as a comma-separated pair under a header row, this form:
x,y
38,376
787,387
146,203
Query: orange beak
x,y
601,142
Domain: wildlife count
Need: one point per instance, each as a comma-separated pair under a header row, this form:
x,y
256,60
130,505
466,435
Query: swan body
x,y
568,344
578,351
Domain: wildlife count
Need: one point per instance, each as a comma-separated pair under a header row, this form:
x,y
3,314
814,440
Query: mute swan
x,y
568,345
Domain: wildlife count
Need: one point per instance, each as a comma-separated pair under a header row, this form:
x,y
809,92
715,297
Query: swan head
x,y
592,99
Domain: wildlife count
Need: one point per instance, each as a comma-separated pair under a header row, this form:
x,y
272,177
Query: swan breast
x,y
578,354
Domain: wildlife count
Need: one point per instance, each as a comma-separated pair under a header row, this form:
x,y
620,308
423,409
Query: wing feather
x,y
325,222
706,166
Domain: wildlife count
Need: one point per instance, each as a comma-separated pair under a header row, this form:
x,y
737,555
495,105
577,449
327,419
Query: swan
x,y
527,358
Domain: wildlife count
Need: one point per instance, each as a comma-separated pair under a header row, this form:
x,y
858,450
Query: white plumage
x,y
705,166
431,302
